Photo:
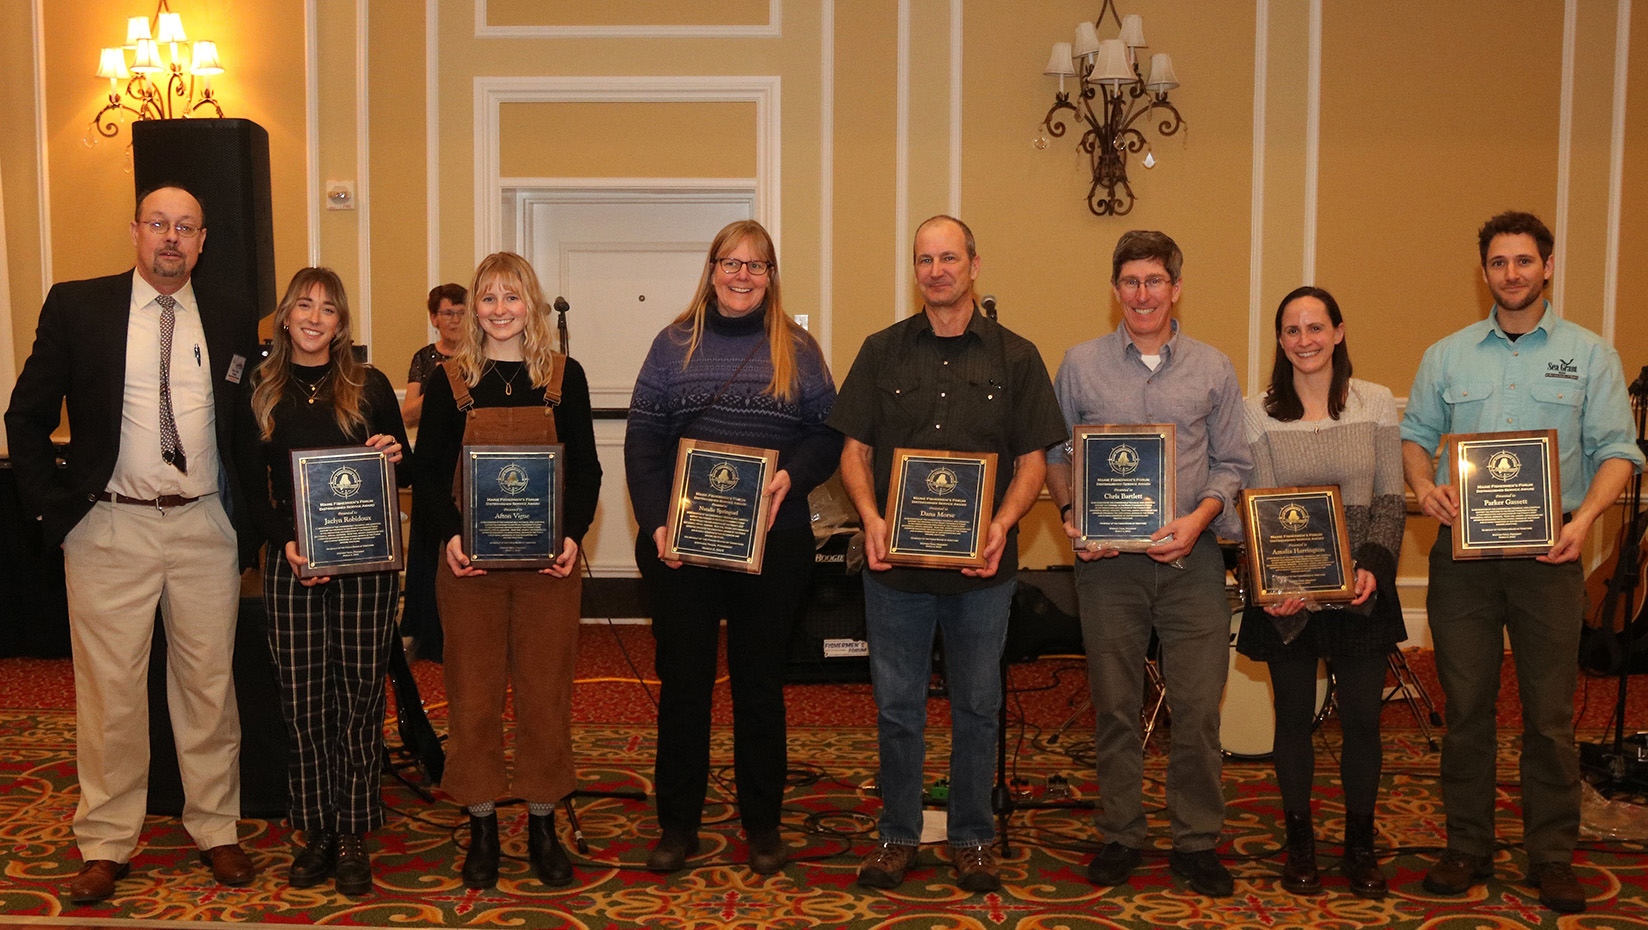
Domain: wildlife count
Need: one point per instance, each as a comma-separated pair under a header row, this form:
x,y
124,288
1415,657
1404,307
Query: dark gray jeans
x,y
1122,599
1473,605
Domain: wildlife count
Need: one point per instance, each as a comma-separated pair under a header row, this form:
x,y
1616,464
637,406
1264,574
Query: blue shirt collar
x,y
1547,323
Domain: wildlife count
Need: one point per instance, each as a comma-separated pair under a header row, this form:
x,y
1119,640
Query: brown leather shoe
x,y
976,868
230,865
885,866
1559,887
96,880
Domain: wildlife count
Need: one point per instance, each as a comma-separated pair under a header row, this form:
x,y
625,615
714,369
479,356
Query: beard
x,y
167,267
1533,296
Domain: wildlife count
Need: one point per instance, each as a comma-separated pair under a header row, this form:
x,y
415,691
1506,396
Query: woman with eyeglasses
x,y
508,629
732,368
1317,425
420,618
330,636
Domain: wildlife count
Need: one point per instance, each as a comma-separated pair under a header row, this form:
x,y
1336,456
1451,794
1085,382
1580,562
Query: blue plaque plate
x,y
719,506
347,511
1298,545
939,506
512,504
1124,485
1510,499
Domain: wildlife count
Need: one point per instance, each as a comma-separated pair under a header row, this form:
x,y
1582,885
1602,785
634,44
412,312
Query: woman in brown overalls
x,y
508,628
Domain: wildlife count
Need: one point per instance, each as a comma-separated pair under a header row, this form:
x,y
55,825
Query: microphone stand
x,y
1622,587
561,307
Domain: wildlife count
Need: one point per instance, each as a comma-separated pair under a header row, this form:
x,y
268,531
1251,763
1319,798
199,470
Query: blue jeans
x,y
901,625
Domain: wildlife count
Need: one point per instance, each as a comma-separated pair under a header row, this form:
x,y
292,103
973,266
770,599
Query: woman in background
x,y
732,368
1316,425
330,636
504,628
420,618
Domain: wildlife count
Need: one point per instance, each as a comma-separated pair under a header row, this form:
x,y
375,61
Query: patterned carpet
x,y
829,822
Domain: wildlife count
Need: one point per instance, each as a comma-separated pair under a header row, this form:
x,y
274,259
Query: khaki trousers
x,y
122,560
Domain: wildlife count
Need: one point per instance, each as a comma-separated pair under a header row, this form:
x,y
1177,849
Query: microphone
x,y
988,302
561,307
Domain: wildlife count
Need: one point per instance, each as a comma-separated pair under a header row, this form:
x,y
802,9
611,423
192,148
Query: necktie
x,y
171,448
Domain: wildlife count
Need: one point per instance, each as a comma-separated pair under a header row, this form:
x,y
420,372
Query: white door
x,y
627,262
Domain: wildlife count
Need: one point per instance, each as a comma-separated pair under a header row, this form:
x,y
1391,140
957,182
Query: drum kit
x,y
1247,720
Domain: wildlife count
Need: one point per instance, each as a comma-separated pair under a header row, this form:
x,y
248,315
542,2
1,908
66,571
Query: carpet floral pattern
x,y
829,821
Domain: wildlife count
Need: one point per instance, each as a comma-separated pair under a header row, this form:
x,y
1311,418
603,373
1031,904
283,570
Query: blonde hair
x,y
346,376
782,332
512,274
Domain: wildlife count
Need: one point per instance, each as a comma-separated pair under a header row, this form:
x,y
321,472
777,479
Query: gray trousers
x,y
1473,605
1121,600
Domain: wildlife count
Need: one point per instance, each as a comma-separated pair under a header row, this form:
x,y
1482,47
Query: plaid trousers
x,y
331,647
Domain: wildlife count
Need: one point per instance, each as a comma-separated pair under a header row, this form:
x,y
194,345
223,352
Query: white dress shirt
x,y
139,471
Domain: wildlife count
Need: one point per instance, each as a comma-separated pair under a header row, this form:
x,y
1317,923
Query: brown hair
x,y
1138,245
345,377
449,292
1281,400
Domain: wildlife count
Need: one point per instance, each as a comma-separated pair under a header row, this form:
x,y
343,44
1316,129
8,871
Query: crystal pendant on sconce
x,y
1150,159
1040,142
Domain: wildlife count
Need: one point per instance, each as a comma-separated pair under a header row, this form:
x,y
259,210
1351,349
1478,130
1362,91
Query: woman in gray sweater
x,y
1316,425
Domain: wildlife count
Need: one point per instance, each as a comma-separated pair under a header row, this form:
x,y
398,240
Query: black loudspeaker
x,y
828,642
225,162
1044,619
263,741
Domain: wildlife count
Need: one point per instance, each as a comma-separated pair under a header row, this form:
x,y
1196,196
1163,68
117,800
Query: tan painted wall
x,y
1433,116
617,140
606,13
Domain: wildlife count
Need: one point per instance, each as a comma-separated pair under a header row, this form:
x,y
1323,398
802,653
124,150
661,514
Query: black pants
x,y
1359,683
688,604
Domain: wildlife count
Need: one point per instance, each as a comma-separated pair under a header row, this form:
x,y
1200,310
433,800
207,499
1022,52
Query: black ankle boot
x,y
480,865
1360,865
1299,875
354,866
543,849
316,861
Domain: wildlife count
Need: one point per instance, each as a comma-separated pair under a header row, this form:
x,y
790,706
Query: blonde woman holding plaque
x,y
508,628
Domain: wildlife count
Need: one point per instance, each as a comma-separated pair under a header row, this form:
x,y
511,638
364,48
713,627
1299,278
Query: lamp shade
x,y
1133,31
1060,64
113,64
171,28
1087,40
137,28
148,57
1111,68
205,58
1162,79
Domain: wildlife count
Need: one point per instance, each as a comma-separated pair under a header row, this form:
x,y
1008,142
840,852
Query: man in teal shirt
x,y
1523,368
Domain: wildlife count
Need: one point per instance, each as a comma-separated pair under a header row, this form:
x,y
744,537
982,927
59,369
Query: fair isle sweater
x,y
721,396
1361,452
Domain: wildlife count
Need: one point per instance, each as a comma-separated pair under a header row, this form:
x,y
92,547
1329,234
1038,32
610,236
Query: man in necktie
x,y
148,367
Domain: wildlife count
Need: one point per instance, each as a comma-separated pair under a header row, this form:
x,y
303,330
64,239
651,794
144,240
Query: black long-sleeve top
x,y
441,432
265,466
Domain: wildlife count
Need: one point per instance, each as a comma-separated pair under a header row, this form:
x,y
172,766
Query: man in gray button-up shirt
x,y
1148,372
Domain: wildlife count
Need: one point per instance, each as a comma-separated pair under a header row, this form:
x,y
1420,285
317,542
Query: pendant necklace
x,y
311,388
509,383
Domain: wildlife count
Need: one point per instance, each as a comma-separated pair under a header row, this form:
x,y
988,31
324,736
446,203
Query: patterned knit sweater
x,y
720,396
1361,452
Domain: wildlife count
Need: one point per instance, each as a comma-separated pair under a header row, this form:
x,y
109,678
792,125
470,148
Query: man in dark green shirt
x,y
948,378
